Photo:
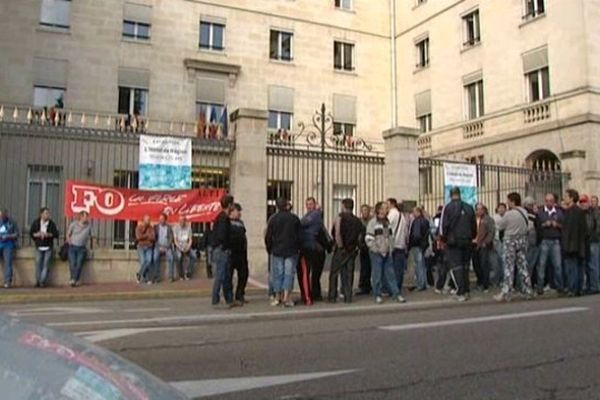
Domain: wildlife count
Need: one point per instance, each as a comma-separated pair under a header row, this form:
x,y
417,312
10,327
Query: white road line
x,y
100,336
248,316
141,310
491,318
42,311
213,387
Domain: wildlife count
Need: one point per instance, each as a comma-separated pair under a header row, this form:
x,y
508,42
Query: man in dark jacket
x,y
574,242
347,233
591,263
484,242
550,264
164,246
282,241
221,243
239,253
458,229
364,283
418,241
43,231
312,253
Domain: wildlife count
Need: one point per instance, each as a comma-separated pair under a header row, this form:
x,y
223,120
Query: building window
x,y
472,32
43,190
341,192
343,129
280,120
478,161
343,56
424,122
211,113
538,83
281,46
48,97
136,30
474,96
533,8
133,101
56,13
426,179
212,36
422,48
124,231
343,4
275,190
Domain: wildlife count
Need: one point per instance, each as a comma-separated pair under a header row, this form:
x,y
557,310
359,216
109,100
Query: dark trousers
x,y
239,263
364,283
310,269
342,264
481,265
442,269
459,259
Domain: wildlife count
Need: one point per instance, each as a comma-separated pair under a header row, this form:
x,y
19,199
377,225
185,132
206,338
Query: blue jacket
x,y
9,234
311,224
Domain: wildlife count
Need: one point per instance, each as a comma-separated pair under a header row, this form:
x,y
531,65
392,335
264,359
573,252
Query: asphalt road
x,y
430,349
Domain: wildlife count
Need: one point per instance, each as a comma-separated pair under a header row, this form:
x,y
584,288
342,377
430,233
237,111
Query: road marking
x,y
41,311
249,316
100,336
213,387
141,310
491,318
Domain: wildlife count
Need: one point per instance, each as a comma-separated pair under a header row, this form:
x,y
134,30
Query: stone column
x,y
401,179
573,162
249,181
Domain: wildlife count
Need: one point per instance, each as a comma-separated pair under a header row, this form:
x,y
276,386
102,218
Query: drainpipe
x,y
394,91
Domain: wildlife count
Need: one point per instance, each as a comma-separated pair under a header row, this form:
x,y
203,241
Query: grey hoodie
x,y
379,237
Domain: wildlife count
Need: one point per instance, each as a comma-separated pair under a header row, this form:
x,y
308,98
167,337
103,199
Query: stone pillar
x,y
401,179
249,181
573,162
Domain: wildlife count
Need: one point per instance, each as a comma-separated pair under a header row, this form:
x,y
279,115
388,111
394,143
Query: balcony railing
x,y
473,129
112,122
536,112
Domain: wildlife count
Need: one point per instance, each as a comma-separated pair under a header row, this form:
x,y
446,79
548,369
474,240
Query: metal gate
x,y
494,183
324,163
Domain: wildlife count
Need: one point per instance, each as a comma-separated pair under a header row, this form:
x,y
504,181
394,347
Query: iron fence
x,y
494,182
37,160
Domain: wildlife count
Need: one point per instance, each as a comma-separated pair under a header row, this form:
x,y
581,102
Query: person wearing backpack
x,y
515,225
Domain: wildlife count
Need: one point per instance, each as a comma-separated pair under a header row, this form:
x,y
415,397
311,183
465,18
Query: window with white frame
x,y
51,97
212,36
280,120
472,29
424,122
341,192
43,189
538,83
136,30
343,4
343,56
422,52
533,8
133,101
474,100
281,45
344,129
56,13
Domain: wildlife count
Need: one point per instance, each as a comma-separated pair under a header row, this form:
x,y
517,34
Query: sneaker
x,y
7,286
289,304
400,299
500,297
461,299
378,300
437,291
149,283
540,291
138,278
274,302
72,283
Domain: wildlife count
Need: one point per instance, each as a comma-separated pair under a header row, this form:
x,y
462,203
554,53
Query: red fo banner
x,y
111,203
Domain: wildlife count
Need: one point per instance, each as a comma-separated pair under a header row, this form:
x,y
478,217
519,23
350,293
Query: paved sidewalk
x,y
113,291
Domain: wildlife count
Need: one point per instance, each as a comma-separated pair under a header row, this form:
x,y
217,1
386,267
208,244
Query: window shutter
x,y
344,108
137,13
50,72
210,89
281,99
535,59
134,78
472,78
423,103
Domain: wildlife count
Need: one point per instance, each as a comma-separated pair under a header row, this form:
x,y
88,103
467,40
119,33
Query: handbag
x,y
63,252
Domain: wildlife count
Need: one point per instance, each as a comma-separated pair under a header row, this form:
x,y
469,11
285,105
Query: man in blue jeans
x,y
550,220
163,246
399,221
9,234
78,235
144,237
221,256
283,242
591,263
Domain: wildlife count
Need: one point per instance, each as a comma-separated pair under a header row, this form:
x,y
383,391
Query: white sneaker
x,y
378,300
461,299
400,299
500,297
274,303
437,291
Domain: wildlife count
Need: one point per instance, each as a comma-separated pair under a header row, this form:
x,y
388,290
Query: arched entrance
x,y
546,174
